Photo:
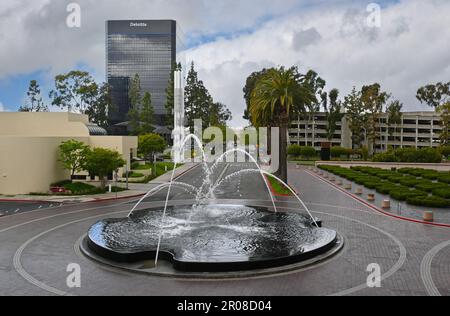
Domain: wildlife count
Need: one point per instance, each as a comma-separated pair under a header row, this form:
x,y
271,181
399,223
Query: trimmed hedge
x,y
399,183
428,201
443,192
429,186
403,194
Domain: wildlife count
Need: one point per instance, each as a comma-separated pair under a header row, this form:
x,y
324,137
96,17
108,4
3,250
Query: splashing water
x,y
202,199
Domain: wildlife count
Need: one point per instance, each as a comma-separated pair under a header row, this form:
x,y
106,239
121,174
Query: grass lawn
x,y
159,168
278,187
308,163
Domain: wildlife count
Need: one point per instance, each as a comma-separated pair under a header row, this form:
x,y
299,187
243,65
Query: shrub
x,y
425,155
409,181
395,179
294,151
445,151
429,186
307,152
386,188
403,193
442,192
79,188
338,152
429,201
61,183
385,157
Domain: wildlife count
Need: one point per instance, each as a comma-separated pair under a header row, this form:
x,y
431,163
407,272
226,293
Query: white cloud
x,y
2,107
409,50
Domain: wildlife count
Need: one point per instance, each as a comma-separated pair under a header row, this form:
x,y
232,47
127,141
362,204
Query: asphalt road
x,y
37,248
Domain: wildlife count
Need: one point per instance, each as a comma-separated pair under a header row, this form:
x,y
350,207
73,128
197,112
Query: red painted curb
x,y
376,208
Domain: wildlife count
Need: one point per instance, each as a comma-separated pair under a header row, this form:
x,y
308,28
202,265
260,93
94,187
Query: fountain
x,y
208,236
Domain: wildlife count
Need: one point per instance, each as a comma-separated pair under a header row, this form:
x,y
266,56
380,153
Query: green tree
x,y
355,113
219,114
438,97
332,107
250,84
373,100
278,95
34,101
102,162
170,96
197,99
146,115
135,103
74,91
316,85
394,111
101,106
151,144
73,155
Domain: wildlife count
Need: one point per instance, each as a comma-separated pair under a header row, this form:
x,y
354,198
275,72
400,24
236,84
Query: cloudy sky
x,y
229,39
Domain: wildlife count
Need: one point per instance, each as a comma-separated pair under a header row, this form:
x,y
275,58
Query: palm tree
x,y
394,111
278,96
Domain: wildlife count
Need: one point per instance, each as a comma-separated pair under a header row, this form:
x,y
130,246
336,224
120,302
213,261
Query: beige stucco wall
x,y
29,148
43,124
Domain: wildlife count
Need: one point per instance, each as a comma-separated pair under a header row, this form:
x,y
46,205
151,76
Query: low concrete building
x,y
417,130
29,148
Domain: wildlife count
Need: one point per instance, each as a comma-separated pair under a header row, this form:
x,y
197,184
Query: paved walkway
x,y
414,259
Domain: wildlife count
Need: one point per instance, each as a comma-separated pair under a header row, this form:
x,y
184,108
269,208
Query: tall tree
x,y
250,84
170,96
316,85
219,114
438,97
197,99
276,97
373,100
394,111
34,101
332,107
146,115
75,91
101,106
135,102
355,112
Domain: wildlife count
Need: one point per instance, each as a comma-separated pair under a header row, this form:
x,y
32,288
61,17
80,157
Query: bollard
x,y
386,204
348,186
371,197
428,216
109,188
359,191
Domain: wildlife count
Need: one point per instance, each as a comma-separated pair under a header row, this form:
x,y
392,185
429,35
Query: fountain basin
x,y
212,238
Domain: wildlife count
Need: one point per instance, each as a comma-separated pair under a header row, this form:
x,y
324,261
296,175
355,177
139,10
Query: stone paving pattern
x,y
37,247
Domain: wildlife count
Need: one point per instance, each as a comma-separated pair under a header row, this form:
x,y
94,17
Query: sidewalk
x,y
135,190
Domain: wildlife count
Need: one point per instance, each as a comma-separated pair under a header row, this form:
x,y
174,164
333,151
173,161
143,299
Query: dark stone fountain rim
x,y
123,257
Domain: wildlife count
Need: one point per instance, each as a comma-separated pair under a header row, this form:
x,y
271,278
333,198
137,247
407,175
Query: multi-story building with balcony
x,y
417,130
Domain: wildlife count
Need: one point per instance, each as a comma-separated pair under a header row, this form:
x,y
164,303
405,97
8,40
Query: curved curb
x,y
373,207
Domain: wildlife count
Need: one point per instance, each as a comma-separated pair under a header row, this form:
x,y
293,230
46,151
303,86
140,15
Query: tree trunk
x,y
103,182
269,140
284,124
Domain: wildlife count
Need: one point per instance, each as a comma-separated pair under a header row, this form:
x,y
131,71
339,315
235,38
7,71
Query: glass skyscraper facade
x,y
147,48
